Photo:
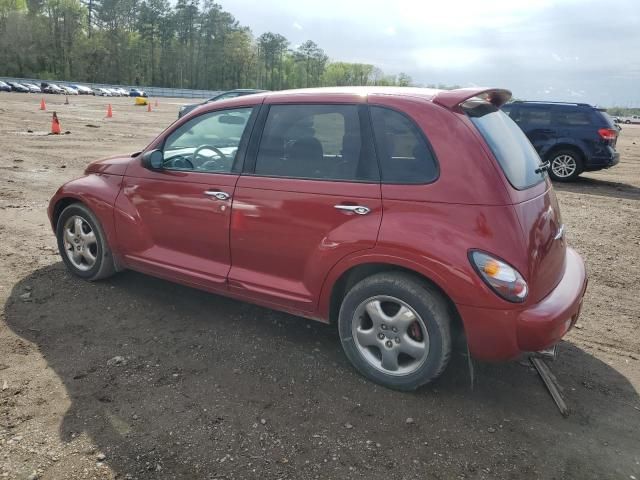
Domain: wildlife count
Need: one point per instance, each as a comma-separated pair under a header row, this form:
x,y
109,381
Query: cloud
x,y
544,49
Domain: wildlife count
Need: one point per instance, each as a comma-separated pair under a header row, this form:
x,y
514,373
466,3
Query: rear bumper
x,y
606,161
498,335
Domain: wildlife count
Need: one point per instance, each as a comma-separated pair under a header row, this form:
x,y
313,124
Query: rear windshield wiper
x,y
544,167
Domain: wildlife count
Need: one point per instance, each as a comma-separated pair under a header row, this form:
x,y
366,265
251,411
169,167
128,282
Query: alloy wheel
x,y
80,243
390,335
563,166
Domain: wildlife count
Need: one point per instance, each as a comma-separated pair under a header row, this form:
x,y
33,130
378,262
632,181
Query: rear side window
x,y
535,116
321,142
515,154
405,156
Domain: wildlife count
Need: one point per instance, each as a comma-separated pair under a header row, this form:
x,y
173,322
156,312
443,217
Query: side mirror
x,y
153,159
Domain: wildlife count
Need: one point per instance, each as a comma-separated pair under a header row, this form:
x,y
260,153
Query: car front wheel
x,y
83,244
396,330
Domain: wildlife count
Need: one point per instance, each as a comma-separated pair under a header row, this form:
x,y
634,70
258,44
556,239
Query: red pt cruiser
x,y
403,215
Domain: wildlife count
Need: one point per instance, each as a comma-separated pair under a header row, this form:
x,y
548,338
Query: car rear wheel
x,y
83,244
396,330
565,166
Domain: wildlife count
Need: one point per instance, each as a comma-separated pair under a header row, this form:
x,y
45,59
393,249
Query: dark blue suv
x,y
572,137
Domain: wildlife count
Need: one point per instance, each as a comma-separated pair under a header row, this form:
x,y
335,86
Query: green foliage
x,y
184,44
623,112
442,86
10,6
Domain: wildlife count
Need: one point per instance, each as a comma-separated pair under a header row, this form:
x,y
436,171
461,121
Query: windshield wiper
x,y
544,167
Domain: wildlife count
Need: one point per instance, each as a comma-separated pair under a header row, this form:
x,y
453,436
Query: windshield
x,y
518,159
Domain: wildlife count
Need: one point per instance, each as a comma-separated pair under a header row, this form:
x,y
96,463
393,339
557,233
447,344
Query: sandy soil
x,y
208,387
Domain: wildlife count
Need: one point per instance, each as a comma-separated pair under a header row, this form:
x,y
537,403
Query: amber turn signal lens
x,y
491,268
501,277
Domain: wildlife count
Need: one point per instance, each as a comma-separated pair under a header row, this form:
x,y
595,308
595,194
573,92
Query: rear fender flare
x,y
367,257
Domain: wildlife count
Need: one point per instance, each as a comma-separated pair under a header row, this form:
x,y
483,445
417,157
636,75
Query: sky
x,y
562,50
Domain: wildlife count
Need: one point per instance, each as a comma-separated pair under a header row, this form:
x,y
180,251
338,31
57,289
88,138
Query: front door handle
x,y
217,194
359,209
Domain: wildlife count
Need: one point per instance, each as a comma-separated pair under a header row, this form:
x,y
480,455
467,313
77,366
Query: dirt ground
x,y
207,387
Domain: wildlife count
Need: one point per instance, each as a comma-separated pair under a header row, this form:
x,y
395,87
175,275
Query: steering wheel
x,y
180,162
218,163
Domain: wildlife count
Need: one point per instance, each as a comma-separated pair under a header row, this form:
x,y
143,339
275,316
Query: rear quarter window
x,y
572,118
513,151
603,118
508,109
404,154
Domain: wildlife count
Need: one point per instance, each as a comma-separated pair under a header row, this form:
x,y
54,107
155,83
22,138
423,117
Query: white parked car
x,y
68,90
33,88
103,92
82,90
631,119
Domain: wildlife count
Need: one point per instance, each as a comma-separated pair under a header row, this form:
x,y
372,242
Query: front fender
x,y
98,192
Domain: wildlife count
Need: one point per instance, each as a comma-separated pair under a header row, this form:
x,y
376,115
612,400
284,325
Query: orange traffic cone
x,y
55,124
149,107
66,100
43,106
109,111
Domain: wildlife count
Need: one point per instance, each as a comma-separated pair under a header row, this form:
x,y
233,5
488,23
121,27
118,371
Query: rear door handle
x,y
359,209
217,194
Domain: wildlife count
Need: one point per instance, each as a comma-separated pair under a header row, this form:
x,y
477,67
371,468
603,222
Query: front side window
x,y
317,142
207,143
404,154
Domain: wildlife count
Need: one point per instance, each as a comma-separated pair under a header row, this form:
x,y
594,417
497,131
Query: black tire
x,y
570,156
425,301
104,266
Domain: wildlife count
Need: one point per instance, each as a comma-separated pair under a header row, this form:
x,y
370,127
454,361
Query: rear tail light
x,y
608,133
501,277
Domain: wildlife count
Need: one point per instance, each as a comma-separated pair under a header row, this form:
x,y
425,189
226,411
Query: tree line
x,y
192,44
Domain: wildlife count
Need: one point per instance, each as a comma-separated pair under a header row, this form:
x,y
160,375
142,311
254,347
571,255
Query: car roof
x,y
447,98
354,91
244,90
544,102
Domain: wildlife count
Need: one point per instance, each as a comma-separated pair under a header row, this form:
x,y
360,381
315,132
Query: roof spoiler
x,y
452,98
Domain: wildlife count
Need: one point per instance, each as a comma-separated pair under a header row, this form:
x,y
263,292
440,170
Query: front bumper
x,y
498,335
